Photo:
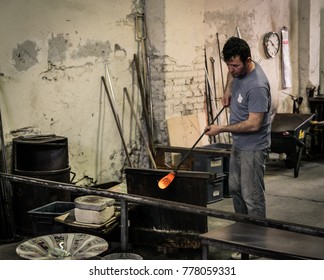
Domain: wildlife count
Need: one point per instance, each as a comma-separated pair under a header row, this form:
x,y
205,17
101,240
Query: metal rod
x,y
220,62
208,102
238,32
208,89
124,224
212,60
144,105
139,127
178,206
222,76
117,121
194,145
111,87
212,91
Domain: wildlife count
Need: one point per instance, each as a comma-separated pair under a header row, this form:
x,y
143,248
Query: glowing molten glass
x,y
166,180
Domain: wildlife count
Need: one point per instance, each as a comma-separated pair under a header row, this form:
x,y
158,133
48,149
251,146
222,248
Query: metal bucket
x,y
40,153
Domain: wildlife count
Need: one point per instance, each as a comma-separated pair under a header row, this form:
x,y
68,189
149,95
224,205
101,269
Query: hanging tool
x,y
140,36
223,84
144,105
167,180
210,98
117,120
142,64
209,106
140,129
212,60
220,62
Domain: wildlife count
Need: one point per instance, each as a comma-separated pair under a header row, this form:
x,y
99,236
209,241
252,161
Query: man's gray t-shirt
x,y
251,94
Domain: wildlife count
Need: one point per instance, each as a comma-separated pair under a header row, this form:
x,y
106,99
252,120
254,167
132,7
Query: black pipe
x,y
168,205
117,121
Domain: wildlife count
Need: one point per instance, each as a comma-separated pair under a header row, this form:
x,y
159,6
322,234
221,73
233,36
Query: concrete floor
x,y
295,200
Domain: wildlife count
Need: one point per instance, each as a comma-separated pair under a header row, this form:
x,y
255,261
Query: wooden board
x,y
185,130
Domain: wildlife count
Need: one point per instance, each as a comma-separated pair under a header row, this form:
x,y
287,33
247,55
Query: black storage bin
x,y
43,218
225,163
215,190
207,163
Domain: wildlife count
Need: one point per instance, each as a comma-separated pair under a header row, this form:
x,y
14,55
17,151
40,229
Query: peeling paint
x,y
96,49
28,130
57,47
120,52
25,55
245,20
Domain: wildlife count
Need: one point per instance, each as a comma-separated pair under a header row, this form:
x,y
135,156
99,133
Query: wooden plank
x,y
185,130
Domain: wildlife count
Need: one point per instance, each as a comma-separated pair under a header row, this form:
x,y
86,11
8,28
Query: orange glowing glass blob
x,y
166,180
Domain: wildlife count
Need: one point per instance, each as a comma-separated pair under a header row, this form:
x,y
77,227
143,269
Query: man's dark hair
x,y
235,46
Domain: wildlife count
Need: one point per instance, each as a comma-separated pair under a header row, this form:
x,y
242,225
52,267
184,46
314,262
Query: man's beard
x,y
241,75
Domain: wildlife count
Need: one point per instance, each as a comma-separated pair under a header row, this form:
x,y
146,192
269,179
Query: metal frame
x,y
143,200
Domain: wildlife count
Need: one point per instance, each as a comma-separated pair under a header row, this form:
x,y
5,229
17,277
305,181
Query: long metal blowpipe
x,y
167,179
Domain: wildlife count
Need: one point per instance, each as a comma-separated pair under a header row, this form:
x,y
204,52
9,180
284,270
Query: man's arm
x,y
252,124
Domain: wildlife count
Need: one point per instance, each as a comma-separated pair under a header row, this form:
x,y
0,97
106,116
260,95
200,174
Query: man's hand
x,y
213,129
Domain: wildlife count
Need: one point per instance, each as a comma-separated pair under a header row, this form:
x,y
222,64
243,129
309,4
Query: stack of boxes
x,y
212,164
215,161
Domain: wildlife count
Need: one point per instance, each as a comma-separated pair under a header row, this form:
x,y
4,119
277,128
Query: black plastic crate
x,y
43,217
215,190
207,163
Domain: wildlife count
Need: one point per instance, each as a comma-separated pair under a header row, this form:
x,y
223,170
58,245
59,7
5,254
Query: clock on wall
x,y
271,44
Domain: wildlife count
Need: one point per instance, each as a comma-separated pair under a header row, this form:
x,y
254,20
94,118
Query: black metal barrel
x,y
44,157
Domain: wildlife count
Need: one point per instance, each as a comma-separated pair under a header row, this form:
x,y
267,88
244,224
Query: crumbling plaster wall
x,y
53,54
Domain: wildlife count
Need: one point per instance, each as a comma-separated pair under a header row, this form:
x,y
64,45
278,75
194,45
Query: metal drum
x,y
44,157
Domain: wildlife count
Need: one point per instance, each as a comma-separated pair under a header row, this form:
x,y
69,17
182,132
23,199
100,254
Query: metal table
x,y
264,242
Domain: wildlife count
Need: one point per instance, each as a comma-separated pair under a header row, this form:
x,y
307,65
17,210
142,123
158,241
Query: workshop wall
x,y
179,58
54,53
252,20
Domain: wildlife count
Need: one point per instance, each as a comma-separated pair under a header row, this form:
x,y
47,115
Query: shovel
x,y
167,180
